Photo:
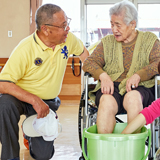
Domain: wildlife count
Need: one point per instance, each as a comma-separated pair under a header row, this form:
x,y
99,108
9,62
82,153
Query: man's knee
x,y
6,101
42,155
9,105
40,149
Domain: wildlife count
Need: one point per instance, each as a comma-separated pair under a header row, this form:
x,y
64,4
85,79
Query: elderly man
x,y
124,65
31,80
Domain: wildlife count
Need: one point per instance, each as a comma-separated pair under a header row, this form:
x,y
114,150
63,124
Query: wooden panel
x,y
2,62
69,97
71,89
69,78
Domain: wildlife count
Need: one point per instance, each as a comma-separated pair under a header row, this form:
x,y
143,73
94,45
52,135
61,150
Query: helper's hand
x,y
107,85
40,107
132,82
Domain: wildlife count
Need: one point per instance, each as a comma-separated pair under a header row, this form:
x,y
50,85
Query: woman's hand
x,y
132,82
107,85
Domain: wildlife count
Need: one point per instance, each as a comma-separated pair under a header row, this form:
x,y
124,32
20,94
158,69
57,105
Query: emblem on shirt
x,y
38,61
65,52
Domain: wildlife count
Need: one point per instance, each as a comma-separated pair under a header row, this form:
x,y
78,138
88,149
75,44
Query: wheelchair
x,y
88,113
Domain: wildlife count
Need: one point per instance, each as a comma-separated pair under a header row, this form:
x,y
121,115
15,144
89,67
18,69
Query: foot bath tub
x,y
115,146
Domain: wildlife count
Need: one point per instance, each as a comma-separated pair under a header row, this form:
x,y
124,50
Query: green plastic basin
x,y
115,146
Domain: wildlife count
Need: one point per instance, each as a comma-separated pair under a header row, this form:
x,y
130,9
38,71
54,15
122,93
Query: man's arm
x,y
84,55
38,104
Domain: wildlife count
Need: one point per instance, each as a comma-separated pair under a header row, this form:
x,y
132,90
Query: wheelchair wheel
x,y
81,117
81,158
92,112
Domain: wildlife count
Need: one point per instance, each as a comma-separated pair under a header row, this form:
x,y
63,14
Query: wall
x,y
14,17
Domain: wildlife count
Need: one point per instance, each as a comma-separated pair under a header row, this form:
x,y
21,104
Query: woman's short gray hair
x,y
127,9
44,14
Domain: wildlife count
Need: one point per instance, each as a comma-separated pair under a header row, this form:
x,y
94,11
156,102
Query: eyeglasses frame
x,y
68,23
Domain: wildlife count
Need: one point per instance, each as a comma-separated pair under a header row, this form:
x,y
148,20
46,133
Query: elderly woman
x,y
124,65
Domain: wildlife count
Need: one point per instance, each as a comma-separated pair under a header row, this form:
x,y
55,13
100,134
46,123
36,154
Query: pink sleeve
x,y
152,111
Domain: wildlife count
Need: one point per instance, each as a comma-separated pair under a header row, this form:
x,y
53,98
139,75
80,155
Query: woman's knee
x,y
133,99
108,104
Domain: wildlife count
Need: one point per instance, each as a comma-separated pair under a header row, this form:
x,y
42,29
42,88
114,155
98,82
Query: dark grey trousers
x,y
10,110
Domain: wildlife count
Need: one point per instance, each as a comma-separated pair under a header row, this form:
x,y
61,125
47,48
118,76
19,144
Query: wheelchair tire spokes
x,y
80,121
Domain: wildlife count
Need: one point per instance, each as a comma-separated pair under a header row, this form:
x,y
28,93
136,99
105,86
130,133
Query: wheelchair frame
x,y
87,116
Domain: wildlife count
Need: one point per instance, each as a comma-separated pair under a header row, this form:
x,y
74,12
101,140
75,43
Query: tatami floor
x,y
67,144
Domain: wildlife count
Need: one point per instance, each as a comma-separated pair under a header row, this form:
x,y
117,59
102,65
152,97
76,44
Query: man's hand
x,y
40,107
132,82
107,86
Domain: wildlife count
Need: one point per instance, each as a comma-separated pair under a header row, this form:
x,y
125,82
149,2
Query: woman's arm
x,y
95,62
151,70
146,116
135,125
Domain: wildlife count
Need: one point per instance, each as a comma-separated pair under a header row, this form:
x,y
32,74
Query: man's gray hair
x,y
44,14
125,8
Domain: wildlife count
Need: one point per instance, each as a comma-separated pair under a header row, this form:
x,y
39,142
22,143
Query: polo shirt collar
x,y
39,42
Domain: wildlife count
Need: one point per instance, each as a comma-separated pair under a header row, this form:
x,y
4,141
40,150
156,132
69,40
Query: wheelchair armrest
x,y
157,93
157,76
87,74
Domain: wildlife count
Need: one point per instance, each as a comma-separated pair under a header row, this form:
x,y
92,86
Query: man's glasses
x,y
64,26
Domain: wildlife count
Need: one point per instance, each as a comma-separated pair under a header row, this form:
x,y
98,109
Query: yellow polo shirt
x,y
38,69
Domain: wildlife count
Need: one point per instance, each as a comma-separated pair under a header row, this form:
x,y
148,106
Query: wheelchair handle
x,y
86,95
87,74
